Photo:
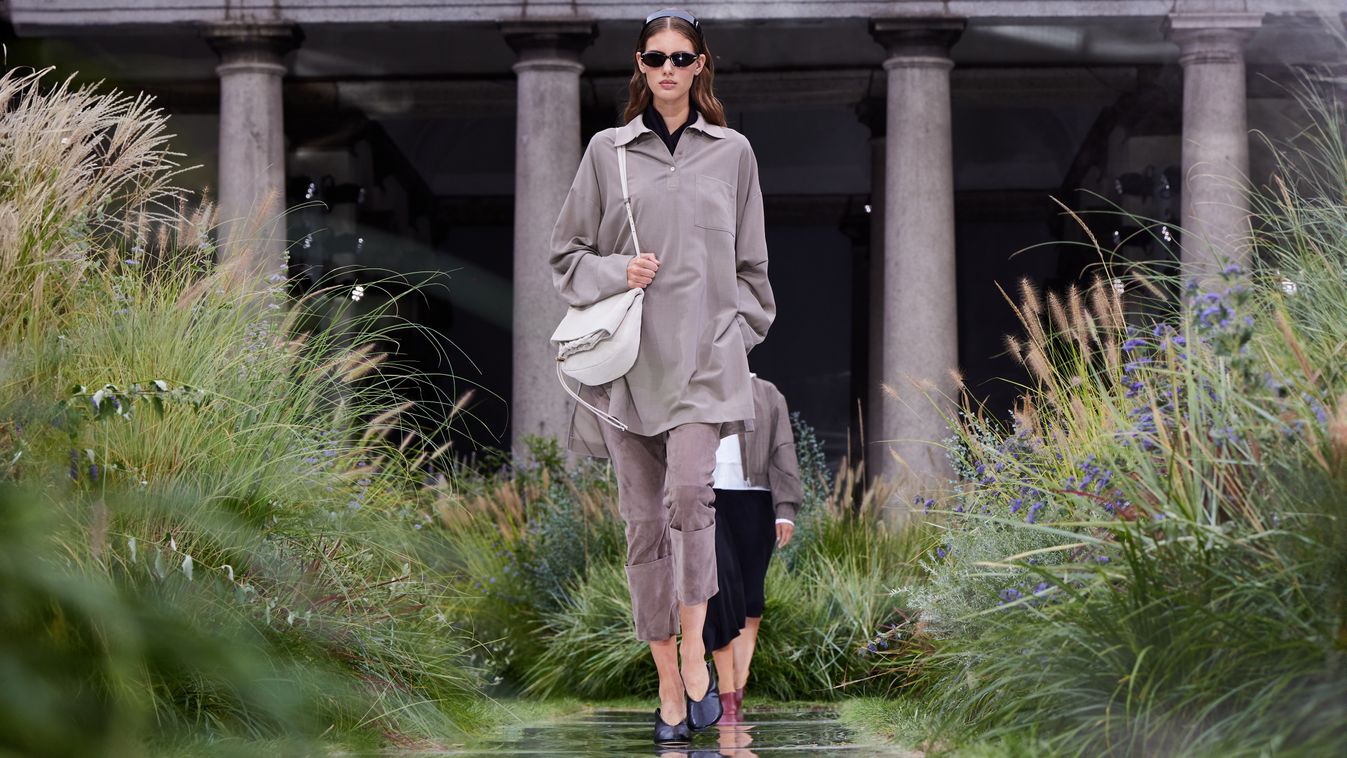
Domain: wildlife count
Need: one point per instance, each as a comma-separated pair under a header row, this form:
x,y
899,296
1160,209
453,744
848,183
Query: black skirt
x,y
745,539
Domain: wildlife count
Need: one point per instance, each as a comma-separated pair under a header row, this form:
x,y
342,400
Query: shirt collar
x,y
636,127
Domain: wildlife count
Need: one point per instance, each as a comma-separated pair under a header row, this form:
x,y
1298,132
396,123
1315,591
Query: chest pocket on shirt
x,y
715,204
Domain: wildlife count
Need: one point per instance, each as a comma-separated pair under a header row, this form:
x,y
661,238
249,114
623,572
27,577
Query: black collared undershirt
x,y
655,122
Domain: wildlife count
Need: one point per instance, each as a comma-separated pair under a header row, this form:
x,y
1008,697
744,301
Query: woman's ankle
x,y
671,701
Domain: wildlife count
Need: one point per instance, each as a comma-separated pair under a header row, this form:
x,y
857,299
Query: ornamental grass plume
x,y
85,172
1082,325
1337,436
1030,312
1062,324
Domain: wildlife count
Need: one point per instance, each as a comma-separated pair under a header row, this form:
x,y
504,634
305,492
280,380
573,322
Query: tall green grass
x,y
1149,561
539,558
216,499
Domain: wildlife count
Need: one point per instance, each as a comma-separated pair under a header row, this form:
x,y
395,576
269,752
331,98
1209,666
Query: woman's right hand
x,y
641,271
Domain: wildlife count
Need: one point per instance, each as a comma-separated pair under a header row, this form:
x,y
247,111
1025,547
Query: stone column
x,y
252,138
1215,213
920,315
547,154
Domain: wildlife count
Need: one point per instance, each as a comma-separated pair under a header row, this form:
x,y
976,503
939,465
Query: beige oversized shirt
x,y
699,211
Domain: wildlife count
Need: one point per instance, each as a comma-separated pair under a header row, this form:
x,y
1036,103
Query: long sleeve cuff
x,y
609,274
787,511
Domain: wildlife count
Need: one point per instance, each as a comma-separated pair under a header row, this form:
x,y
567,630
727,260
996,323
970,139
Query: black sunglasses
x,y
655,59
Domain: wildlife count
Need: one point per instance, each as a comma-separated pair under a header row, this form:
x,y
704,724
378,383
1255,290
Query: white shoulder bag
x,y
599,342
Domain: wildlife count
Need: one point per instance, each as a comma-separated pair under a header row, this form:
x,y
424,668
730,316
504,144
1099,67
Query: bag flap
x,y
605,315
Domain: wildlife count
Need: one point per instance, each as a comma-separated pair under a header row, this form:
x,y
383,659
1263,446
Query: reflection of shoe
x,y
705,712
729,708
668,734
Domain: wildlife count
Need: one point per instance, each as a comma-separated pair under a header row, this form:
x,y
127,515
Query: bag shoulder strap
x,y
605,417
626,195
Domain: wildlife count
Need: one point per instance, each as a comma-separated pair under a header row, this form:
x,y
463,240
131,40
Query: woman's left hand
x,y
784,531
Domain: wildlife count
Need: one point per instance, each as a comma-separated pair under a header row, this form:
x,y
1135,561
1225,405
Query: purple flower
x,y
1320,412
1033,512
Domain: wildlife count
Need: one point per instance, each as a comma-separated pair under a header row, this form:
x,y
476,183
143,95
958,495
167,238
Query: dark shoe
x,y
739,699
705,712
668,734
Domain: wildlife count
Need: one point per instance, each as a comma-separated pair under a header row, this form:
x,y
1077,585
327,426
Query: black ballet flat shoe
x,y
671,734
707,711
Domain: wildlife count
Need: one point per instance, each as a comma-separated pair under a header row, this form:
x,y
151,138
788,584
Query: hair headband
x,y
673,13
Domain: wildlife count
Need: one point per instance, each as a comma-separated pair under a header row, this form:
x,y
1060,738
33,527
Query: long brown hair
x,y
703,96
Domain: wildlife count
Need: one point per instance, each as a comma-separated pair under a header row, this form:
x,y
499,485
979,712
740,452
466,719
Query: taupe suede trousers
x,y
664,495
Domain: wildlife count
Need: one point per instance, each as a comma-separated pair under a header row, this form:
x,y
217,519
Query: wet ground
x,y
610,732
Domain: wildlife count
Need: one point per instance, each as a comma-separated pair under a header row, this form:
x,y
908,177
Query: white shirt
x,y
729,473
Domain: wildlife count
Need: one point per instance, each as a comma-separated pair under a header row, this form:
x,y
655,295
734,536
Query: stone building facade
x,y
910,153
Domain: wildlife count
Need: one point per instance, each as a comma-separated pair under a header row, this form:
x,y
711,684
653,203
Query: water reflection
x,y
609,732
735,739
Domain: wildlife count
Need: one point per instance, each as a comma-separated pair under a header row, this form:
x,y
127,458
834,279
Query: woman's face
x,y
669,83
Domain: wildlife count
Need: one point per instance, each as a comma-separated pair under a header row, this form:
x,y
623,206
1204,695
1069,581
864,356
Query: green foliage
x,y
518,541
1150,561
221,541
103,647
540,559
903,721
817,477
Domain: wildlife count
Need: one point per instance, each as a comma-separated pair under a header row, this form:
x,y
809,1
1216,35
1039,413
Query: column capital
x,y
917,37
253,42
543,44
1212,37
